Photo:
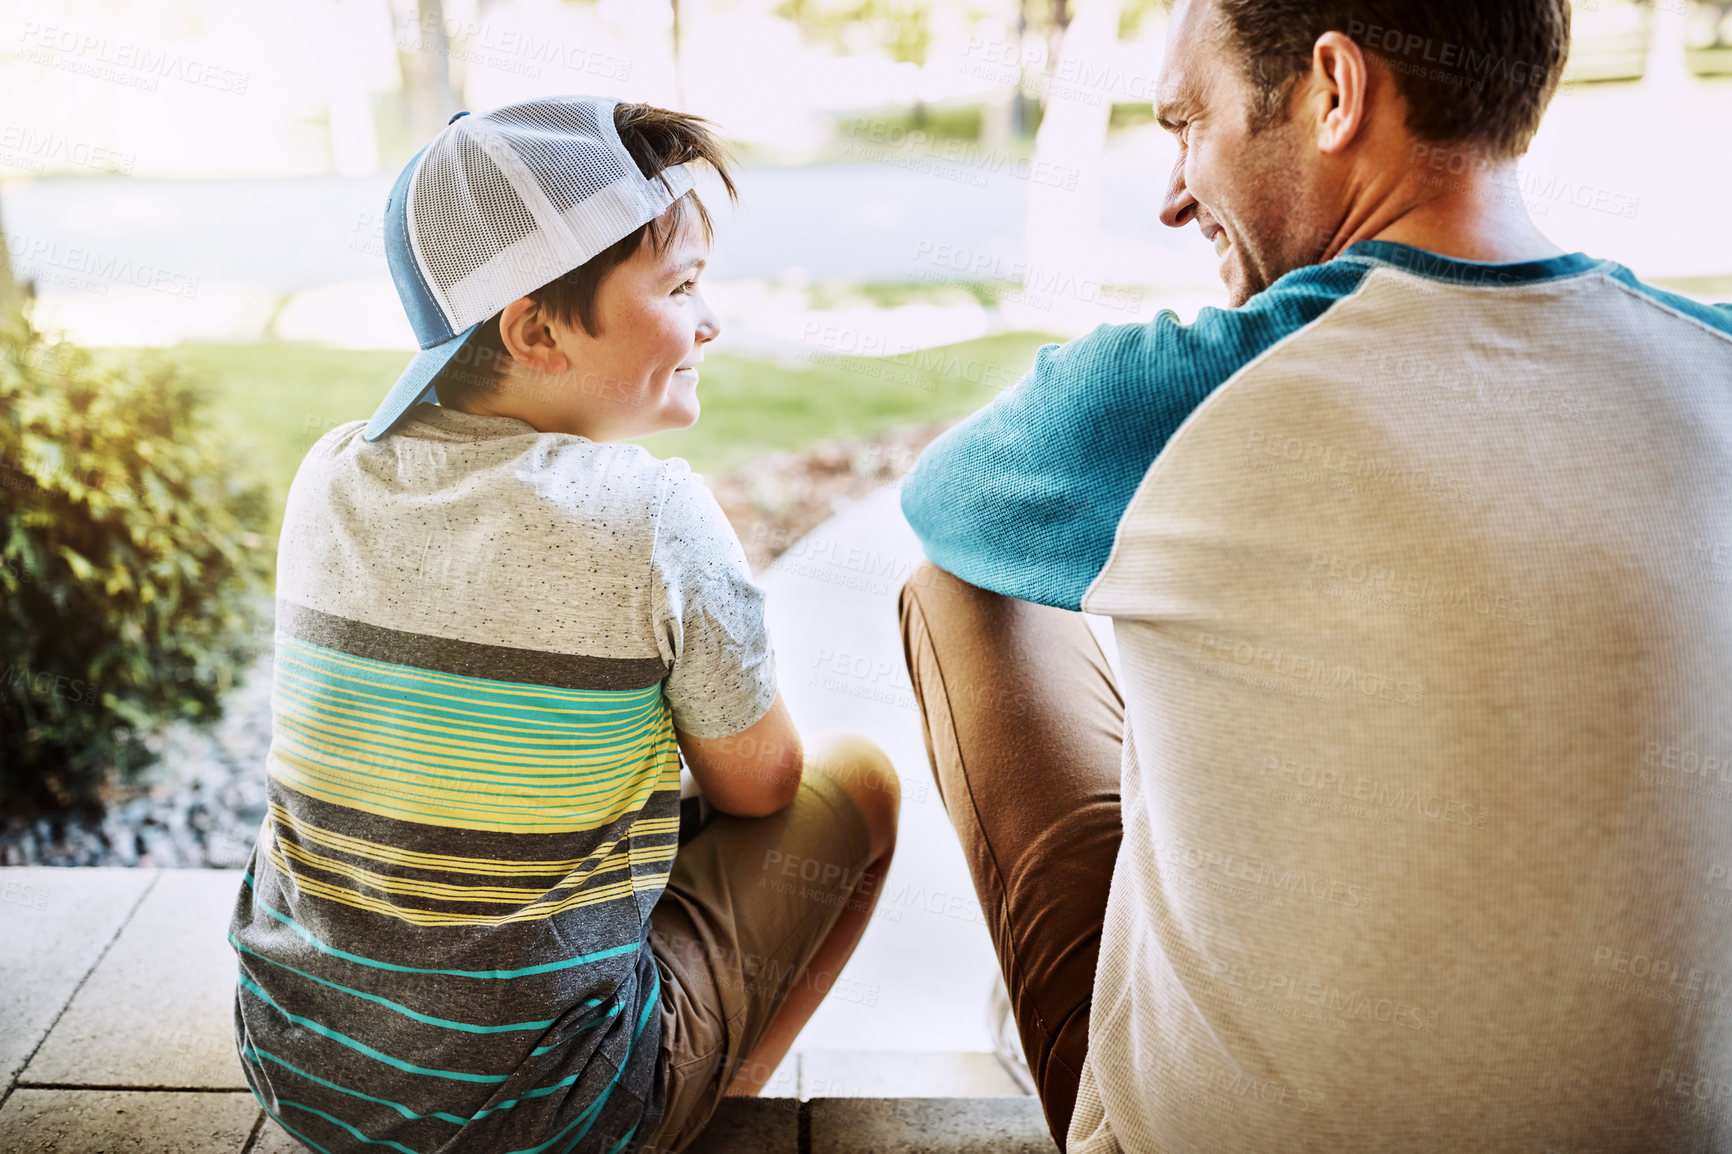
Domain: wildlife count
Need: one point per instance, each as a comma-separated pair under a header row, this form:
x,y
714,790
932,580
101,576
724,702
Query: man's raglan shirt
x,y
1421,576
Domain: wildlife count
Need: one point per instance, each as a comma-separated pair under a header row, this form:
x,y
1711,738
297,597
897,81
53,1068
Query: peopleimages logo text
x,y
159,63
1455,59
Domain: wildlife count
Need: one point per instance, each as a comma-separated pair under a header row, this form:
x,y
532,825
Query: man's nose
x,y
1178,206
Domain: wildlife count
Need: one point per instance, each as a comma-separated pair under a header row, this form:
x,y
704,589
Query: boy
x,y
465,927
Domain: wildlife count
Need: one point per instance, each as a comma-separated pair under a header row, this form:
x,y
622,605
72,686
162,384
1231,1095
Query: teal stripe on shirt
x,y
398,1007
420,715
579,711
363,1048
545,968
593,1110
440,1115
336,1121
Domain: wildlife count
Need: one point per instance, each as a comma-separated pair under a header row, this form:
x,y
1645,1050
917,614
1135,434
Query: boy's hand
x,y
752,773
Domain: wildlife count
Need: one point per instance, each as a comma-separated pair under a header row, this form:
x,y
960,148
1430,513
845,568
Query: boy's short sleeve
x,y
709,615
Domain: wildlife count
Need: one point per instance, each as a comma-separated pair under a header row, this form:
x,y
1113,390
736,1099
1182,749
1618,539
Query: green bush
x,y
130,562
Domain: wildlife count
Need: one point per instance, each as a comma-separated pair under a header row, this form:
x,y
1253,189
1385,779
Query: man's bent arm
x,y
1024,498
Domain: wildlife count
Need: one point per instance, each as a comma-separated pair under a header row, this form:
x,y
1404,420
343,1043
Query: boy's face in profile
x,y
637,374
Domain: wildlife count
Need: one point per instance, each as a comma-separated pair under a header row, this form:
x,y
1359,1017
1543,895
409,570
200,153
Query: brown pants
x,y
1023,725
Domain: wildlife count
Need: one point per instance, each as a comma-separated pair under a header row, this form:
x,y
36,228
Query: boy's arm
x,y
752,773
733,728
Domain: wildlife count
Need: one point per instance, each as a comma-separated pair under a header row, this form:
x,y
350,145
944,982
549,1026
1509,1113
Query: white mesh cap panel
x,y
504,202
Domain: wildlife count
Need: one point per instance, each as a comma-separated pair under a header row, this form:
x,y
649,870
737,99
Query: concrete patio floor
x,y
116,1033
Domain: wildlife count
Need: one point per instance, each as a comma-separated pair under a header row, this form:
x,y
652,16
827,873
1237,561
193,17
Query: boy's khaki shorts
x,y
748,903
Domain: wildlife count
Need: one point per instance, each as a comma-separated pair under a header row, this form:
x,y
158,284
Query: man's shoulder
x,y
1716,317
1024,497
1120,369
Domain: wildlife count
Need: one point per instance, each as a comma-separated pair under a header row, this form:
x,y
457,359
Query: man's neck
x,y
1475,216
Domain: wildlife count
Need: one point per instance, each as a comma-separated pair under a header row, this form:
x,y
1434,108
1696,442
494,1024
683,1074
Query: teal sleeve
x,y
1024,497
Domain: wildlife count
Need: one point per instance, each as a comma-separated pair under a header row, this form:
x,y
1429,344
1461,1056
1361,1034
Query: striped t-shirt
x,y
1420,572
486,637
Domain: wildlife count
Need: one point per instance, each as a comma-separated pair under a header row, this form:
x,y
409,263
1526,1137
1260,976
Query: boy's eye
x,y
688,286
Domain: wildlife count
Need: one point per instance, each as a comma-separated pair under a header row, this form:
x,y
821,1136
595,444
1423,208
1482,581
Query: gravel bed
x,y
202,803
199,805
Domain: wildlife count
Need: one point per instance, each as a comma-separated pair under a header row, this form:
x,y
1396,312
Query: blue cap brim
x,y
415,385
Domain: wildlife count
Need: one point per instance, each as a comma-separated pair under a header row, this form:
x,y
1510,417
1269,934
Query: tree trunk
x,y
679,73
1019,109
350,83
424,56
1065,258
1667,33
1055,35
12,297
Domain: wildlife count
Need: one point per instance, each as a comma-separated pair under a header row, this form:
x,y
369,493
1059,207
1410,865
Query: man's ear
x,y
524,331
1340,91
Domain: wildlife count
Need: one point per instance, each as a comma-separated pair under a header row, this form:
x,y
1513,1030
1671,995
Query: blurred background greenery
x,y
191,193
751,406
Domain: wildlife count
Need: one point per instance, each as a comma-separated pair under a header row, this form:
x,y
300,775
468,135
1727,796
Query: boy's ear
x,y
523,330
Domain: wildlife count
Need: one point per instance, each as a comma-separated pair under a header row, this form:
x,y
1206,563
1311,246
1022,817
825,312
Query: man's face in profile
x,y
1250,193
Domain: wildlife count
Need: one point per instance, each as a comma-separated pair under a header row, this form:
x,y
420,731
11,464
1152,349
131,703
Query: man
x,y
1409,830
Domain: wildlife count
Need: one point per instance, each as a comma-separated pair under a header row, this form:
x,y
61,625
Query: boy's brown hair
x,y
657,138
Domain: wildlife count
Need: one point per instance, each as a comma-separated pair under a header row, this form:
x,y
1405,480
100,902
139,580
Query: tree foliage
x,y
130,561
901,28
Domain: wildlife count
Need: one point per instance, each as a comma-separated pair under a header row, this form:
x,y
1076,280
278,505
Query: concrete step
x,y
137,1121
115,1033
54,927
893,1074
158,1011
877,1126
186,1122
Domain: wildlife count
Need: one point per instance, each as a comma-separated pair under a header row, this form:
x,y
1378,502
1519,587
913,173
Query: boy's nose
x,y
709,325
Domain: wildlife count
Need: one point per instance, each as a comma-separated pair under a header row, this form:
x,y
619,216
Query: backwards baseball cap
x,y
498,205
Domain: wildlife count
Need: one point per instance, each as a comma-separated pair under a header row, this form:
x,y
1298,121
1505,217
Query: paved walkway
x,y
925,966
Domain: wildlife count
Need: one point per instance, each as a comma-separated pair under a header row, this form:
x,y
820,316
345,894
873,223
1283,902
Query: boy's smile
x,y
637,373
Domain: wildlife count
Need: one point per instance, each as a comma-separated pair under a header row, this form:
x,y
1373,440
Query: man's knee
x,y
909,605
928,578
934,597
911,612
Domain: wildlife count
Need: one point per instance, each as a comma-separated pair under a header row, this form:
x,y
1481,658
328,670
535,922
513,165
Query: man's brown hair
x,y
1473,72
657,138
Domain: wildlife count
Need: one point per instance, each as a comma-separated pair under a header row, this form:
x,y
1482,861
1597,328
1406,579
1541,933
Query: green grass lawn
x,y
279,398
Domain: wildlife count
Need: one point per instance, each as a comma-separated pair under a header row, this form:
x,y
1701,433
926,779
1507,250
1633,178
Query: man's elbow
x,y
919,489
